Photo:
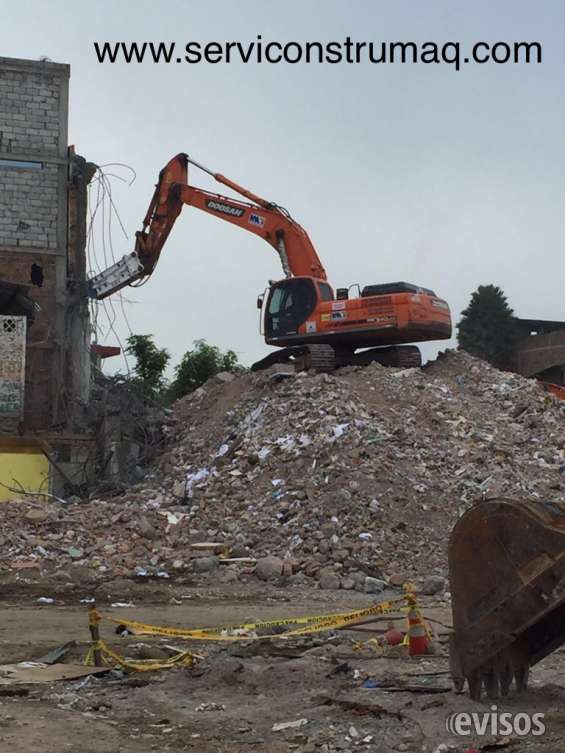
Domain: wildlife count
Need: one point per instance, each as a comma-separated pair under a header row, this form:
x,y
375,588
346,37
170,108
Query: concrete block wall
x,y
32,95
34,174
33,153
28,206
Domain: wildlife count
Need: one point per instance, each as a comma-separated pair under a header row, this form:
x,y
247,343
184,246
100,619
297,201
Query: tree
x,y
150,364
198,365
488,329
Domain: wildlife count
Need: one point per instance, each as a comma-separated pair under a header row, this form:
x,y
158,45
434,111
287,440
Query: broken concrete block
x,y
433,584
205,564
374,585
269,567
329,580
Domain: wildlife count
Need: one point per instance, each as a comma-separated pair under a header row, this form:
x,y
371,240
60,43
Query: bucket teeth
x,y
505,679
475,681
492,683
521,675
497,677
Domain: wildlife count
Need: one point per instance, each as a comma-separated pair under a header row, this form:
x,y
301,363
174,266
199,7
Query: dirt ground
x,y
233,697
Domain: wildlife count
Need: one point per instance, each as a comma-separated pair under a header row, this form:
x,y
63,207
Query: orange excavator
x,y
309,322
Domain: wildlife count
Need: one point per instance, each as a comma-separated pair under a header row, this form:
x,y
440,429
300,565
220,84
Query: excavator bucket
x,y
507,579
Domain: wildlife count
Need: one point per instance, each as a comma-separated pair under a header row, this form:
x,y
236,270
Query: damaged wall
x,y
43,229
541,351
40,190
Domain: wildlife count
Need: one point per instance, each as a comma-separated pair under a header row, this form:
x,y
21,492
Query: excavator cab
x,y
289,303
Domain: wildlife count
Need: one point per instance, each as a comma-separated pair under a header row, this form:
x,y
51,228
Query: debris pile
x,y
365,471
354,478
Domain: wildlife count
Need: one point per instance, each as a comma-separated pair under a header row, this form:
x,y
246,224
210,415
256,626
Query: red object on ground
x,y
393,636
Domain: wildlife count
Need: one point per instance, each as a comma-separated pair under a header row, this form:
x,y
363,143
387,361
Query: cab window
x,y
326,293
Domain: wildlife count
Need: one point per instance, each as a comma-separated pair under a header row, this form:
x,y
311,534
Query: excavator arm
x,y
263,218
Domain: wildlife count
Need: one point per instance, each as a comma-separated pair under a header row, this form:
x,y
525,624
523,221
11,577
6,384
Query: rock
x,y
374,585
343,497
374,505
329,580
179,489
397,580
145,528
239,550
348,584
36,516
62,575
205,564
433,584
269,567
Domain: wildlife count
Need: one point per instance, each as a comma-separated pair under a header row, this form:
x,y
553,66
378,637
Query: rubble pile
x,y
354,478
364,471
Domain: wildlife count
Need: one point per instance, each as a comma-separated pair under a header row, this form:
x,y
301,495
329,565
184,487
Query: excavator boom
x,y
257,215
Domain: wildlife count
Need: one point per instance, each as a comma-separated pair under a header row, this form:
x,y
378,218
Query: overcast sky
x,y
399,172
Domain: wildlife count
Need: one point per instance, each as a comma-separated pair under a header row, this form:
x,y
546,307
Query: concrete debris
x,y
269,567
374,585
280,726
354,479
205,564
433,584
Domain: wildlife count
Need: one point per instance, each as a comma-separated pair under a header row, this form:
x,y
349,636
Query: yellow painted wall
x,y
29,470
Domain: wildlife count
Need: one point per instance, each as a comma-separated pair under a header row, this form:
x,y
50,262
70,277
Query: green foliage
x,y
488,329
150,365
198,365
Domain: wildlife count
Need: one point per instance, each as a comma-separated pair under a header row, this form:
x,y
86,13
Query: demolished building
x,y
42,230
49,433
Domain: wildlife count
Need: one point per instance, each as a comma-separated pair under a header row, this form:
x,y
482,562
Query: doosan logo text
x,y
225,208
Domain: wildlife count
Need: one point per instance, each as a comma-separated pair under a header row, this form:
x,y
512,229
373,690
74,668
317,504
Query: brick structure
x,y
541,351
42,216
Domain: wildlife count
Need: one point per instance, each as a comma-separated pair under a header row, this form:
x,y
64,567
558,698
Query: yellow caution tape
x,y
112,658
303,625
248,630
373,643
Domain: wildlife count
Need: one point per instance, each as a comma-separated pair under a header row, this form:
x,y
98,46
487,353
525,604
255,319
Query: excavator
x,y
311,324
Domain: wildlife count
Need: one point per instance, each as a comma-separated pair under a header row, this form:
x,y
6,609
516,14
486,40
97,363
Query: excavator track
x,y
399,356
280,356
324,358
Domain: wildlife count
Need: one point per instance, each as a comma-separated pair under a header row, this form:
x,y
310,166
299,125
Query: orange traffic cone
x,y
417,636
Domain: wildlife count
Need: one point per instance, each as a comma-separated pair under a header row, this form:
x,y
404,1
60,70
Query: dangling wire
x,y
101,213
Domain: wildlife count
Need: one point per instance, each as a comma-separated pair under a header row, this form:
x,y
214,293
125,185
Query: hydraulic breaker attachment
x,y
125,271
